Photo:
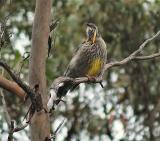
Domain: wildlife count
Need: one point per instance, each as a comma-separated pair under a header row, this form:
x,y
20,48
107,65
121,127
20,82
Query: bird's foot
x,y
101,84
91,78
95,79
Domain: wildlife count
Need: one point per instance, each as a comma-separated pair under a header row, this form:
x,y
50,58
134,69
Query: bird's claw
x,y
94,79
91,78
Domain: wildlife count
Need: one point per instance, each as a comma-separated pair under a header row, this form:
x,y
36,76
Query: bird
x,y
89,60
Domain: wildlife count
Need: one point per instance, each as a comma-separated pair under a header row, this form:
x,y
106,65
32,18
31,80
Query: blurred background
x,y
128,108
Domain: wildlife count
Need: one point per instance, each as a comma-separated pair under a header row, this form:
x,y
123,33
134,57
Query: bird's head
x,y
92,32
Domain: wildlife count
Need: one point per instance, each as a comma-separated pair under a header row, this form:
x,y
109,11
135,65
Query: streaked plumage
x,y
88,61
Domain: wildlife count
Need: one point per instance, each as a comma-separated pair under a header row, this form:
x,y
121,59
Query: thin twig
x,y
25,87
33,94
6,114
22,62
56,131
147,57
133,56
10,122
14,129
10,136
21,127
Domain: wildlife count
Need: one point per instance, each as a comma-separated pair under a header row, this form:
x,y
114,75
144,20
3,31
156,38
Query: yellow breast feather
x,y
95,67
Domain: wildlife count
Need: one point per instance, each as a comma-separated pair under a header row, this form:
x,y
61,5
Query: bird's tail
x,y
63,90
57,91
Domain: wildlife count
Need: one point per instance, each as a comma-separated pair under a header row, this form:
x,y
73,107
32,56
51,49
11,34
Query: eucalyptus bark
x,y
40,128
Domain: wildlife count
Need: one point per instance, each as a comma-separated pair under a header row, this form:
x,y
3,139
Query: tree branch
x,y
128,59
59,82
33,94
6,114
147,57
133,56
14,129
12,87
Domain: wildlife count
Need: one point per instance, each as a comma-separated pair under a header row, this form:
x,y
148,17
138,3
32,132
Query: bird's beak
x,y
94,37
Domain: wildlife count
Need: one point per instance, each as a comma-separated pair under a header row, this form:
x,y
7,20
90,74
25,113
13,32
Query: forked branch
x,y
32,93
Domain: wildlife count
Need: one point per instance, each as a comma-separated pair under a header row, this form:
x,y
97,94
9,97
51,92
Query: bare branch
x,y
133,56
147,57
14,129
12,87
111,64
10,123
25,56
33,94
61,81
6,114
21,127
25,87
10,136
55,132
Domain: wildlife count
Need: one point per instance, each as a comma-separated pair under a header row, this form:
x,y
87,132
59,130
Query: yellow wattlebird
x,y
89,60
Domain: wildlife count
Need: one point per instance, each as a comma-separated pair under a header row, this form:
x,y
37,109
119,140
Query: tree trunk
x,y
40,128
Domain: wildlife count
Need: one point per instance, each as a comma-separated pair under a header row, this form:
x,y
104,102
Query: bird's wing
x,y
79,63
